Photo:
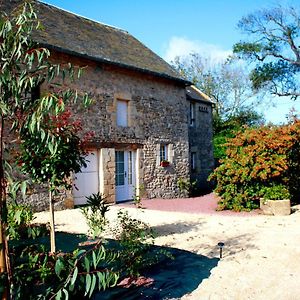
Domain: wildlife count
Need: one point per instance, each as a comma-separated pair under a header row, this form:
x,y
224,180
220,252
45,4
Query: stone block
x,y
276,207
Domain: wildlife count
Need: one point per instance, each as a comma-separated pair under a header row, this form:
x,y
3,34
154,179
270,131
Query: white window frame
x,y
122,113
163,152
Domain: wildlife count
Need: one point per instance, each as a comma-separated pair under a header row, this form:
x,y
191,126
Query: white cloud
x,y
181,46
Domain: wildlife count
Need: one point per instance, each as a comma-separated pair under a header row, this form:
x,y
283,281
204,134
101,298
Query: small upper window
x,y
193,161
122,113
163,153
192,113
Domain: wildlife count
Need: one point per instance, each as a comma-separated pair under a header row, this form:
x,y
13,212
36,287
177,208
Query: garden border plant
x,y
258,158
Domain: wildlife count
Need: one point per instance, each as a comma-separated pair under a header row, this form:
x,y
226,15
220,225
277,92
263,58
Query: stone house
x,y
144,113
200,137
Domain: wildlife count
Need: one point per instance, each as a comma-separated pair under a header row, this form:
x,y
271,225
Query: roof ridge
x,y
83,17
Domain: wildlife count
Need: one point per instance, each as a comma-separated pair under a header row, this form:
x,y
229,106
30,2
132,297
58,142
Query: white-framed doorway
x,y
125,174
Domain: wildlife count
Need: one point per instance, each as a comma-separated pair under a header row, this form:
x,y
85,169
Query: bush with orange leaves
x,y
258,158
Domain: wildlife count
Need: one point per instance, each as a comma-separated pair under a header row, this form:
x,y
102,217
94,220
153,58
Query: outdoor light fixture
x,y
221,245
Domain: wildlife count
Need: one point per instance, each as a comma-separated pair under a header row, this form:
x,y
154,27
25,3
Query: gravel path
x,y
261,258
206,204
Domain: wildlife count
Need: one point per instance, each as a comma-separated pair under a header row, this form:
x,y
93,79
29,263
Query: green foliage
x,y
138,194
90,271
94,213
294,167
24,68
274,192
52,162
40,275
135,239
258,158
273,48
230,126
50,154
19,219
186,185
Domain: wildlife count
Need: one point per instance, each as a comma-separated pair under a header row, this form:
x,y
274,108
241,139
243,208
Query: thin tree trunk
x,y
52,229
4,257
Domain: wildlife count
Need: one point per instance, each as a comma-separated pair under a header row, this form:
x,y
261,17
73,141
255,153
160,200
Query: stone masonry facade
x,y
157,114
200,143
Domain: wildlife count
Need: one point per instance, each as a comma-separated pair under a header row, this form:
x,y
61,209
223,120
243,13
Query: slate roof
x,y
76,35
195,94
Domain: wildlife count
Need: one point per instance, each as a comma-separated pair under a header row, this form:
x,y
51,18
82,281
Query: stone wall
x,y
38,199
107,173
157,113
200,137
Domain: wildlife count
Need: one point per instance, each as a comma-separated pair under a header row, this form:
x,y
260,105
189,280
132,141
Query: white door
x,y
125,175
86,182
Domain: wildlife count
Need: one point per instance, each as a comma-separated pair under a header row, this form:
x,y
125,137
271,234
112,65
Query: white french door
x,y
125,175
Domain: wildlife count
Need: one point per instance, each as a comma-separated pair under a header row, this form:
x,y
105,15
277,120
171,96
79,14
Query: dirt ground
x,y
261,256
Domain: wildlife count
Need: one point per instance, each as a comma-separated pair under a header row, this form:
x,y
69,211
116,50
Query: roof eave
x,y
199,100
102,60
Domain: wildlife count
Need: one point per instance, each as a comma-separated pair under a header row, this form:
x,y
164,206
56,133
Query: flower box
x,y
164,163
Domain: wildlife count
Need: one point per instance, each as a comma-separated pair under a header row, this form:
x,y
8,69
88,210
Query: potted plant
x,y
164,163
275,200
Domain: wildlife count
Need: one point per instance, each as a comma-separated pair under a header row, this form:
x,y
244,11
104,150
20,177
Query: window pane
x,y
122,112
130,167
120,168
163,152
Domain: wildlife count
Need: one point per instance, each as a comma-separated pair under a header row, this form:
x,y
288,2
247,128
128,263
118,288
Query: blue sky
x,y
178,27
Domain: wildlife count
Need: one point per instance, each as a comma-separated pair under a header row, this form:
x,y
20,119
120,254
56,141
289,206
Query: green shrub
x,y
135,239
275,192
138,194
39,274
94,212
258,158
186,185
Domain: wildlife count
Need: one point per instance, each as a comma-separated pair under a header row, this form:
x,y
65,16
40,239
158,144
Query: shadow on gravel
x,y
180,227
173,278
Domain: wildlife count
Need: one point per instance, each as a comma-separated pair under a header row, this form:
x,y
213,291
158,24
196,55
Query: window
x,y
163,153
122,113
193,161
120,168
192,113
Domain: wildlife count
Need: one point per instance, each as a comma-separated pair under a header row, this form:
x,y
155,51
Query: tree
x,y
52,167
274,49
227,83
224,129
23,68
